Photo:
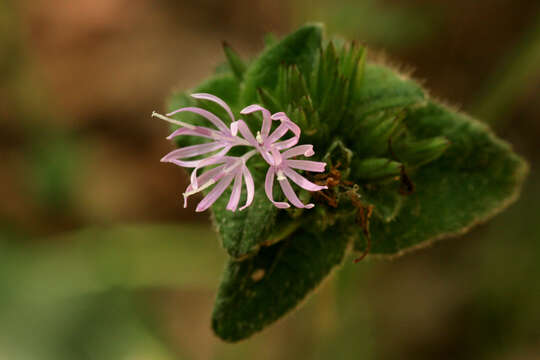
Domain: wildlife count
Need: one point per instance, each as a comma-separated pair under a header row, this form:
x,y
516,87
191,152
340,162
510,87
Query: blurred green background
x,y
98,260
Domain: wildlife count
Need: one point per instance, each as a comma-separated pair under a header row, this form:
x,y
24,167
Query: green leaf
x,y
243,232
385,198
383,88
256,292
477,177
298,48
236,63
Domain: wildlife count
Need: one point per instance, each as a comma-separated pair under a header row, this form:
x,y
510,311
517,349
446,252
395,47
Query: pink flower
x,y
283,166
231,168
277,153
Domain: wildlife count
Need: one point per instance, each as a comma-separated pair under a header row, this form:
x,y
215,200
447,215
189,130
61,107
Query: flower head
x,y
283,166
278,153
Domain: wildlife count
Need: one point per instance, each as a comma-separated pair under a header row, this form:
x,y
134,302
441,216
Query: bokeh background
x,y
98,260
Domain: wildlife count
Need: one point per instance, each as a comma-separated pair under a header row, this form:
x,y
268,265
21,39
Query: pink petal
x,y
202,162
301,181
276,156
268,188
235,194
206,114
204,178
246,133
250,187
282,145
197,131
193,150
306,150
291,195
267,121
216,100
216,192
234,128
282,129
277,134
285,120
308,165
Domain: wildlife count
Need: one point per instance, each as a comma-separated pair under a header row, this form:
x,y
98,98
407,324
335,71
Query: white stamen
x,y
259,138
200,188
172,121
280,175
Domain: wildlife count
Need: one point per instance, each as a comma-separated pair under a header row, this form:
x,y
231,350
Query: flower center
x,y
259,138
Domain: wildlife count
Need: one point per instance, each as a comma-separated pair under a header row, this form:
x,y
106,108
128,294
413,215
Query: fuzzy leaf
x,y
477,177
383,88
385,198
243,232
237,65
299,48
256,292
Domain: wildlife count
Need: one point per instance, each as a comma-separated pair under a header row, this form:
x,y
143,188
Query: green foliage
x,y
476,178
258,291
243,232
383,88
237,65
299,48
403,171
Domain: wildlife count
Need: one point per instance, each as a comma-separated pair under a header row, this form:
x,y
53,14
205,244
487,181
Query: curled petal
x,y
202,162
268,188
250,187
306,150
216,100
206,114
209,176
277,134
246,133
213,160
302,181
267,120
308,165
291,195
235,194
285,120
281,130
197,131
193,150
215,193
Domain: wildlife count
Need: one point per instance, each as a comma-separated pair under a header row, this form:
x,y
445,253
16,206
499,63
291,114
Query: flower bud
x,y
375,169
421,152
